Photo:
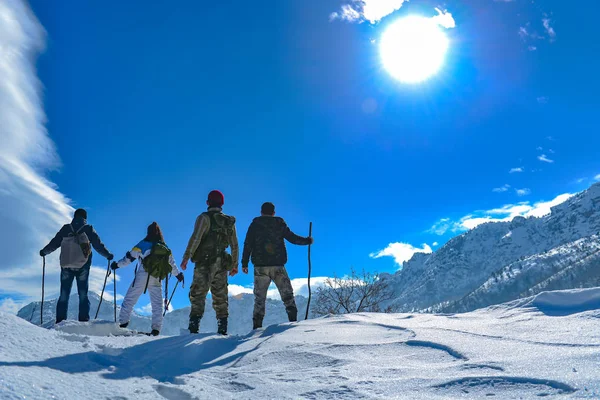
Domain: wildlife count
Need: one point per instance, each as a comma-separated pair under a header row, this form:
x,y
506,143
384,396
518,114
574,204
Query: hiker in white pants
x,y
143,280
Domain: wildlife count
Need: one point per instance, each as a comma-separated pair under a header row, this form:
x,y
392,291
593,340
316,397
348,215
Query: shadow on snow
x,y
162,359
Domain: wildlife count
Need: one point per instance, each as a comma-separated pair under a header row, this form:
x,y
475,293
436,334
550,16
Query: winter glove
x,y
114,266
110,257
42,254
180,277
311,240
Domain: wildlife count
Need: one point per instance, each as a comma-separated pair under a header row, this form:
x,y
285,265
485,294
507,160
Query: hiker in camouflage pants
x,y
213,233
265,243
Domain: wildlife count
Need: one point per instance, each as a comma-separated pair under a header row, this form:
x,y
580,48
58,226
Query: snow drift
x,y
505,351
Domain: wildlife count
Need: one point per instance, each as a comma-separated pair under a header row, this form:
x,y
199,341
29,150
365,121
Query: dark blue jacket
x,y
65,231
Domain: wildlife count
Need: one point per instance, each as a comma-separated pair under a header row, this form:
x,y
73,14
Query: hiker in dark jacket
x,y
78,225
265,244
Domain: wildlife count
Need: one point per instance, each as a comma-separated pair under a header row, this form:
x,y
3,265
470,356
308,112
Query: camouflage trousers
x,y
263,276
211,277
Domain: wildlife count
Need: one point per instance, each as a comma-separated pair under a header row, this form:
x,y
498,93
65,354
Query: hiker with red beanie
x,y
213,233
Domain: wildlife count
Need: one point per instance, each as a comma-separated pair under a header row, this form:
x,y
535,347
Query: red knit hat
x,y
216,198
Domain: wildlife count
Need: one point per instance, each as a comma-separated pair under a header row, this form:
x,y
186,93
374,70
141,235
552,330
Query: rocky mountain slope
x,y
472,262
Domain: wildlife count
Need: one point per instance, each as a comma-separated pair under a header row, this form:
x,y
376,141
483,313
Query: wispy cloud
x,y
401,252
515,170
547,22
523,192
543,100
505,213
435,244
545,159
31,207
597,177
501,189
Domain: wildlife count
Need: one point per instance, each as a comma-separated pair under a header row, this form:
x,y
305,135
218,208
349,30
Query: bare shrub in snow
x,y
357,292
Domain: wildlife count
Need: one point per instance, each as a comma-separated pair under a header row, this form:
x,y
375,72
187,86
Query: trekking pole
x,y
103,287
114,291
309,271
43,281
171,298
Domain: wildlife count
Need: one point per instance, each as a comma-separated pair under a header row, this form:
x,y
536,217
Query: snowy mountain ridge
x,y
468,261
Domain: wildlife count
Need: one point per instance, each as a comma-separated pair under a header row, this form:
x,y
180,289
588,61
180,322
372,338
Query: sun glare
x,y
413,49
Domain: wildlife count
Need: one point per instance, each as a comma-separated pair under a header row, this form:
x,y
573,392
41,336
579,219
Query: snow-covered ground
x,y
543,346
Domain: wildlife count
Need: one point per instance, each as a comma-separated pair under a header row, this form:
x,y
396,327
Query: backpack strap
x,y
78,230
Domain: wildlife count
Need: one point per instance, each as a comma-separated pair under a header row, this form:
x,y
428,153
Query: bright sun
x,y
413,49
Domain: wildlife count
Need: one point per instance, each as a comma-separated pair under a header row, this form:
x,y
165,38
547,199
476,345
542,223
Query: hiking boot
x,y
257,323
155,332
194,325
124,325
292,314
222,326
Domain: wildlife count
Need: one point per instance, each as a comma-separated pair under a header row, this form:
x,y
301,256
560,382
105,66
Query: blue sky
x,y
150,105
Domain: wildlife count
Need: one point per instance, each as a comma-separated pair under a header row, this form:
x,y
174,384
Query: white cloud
x,y
441,227
370,10
401,252
144,310
547,22
597,177
374,11
523,192
435,244
501,189
444,19
545,159
235,290
503,214
31,208
10,306
515,170
543,100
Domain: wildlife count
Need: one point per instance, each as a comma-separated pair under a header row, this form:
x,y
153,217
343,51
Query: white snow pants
x,y
135,291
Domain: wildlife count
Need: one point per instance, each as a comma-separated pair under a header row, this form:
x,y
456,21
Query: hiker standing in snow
x,y
265,243
74,239
213,233
156,264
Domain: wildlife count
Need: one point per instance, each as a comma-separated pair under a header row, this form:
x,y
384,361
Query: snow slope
x,y
467,261
518,350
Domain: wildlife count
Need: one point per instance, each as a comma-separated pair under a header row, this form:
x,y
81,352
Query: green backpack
x,y
216,241
156,263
